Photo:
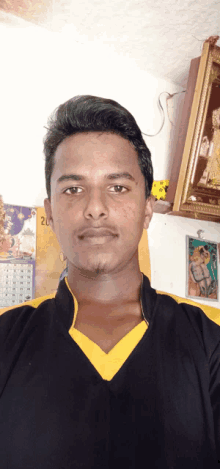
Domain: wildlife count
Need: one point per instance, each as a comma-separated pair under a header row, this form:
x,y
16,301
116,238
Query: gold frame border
x,y
194,132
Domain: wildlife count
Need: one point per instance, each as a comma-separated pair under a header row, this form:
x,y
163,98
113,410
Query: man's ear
x,y
149,207
48,210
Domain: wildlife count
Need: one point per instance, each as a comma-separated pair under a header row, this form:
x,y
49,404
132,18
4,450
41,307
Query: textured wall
x,y
162,37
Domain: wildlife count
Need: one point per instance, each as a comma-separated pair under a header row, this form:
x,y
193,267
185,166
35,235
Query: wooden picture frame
x,y
196,189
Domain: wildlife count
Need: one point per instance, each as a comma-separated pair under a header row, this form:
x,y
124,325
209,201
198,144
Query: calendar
x,y
16,283
17,254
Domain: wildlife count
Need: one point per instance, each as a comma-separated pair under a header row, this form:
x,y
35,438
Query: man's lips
x,y
96,233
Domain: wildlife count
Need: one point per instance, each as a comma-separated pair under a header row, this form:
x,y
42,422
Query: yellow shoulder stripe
x,y
34,303
210,312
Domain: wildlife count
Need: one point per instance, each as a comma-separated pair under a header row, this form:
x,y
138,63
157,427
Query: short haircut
x,y
91,114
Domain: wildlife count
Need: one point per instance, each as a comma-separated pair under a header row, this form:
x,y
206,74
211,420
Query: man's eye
x,y
73,190
118,188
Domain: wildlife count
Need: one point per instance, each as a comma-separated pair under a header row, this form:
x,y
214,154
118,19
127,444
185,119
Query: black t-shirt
x,y
161,410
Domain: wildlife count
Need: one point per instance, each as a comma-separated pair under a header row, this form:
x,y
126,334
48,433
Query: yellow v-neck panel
x,y
107,364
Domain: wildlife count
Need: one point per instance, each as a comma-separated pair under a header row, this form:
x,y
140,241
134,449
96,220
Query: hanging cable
x,y
162,110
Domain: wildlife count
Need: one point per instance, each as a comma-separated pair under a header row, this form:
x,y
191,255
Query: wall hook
x,y
199,233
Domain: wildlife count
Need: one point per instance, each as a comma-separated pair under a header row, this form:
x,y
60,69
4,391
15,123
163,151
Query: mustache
x,y
94,232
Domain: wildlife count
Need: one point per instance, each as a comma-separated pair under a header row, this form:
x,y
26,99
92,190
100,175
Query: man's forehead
x,y
109,140
96,149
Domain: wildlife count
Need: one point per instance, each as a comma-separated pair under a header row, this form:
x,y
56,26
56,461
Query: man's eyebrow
x,y
79,177
70,177
120,176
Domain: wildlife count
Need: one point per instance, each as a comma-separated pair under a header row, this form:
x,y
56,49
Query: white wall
x,y
40,70
167,245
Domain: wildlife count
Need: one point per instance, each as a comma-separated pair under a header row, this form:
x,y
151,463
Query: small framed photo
x,y
202,269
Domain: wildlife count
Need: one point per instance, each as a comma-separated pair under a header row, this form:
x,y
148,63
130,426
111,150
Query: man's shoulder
x,y
18,315
194,320
34,303
195,308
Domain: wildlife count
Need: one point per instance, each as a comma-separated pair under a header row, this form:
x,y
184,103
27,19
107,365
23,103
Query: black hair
x,y
90,114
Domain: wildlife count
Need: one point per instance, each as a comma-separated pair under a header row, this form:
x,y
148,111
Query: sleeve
x,y
13,332
215,394
208,334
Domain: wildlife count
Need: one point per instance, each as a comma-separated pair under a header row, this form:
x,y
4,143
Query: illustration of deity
x,y
200,280
213,167
208,169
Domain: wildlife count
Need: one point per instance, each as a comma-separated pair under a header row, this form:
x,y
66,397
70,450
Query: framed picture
x,y
201,269
198,187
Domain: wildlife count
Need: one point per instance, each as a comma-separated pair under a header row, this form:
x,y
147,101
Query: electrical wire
x,y
162,111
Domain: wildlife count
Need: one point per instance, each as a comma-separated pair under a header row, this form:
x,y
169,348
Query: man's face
x,y
98,211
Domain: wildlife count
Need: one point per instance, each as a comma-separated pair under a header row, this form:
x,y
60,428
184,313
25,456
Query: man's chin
x,y
95,267
98,268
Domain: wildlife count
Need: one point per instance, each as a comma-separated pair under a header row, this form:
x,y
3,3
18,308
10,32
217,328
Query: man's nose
x,y
96,206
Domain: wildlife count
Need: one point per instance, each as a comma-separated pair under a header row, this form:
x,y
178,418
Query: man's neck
x,y
106,289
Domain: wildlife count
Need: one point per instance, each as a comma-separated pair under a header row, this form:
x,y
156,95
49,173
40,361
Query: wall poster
x,y
48,262
17,254
202,269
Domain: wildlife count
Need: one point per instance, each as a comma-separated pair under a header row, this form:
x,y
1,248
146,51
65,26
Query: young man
x,y
108,373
